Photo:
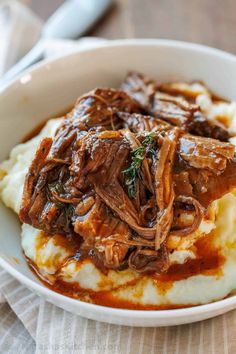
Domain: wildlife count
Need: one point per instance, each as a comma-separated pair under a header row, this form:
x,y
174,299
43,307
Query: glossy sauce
x,y
103,298
207,262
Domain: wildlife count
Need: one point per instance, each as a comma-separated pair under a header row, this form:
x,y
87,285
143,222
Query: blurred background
x,y
31,30
211,22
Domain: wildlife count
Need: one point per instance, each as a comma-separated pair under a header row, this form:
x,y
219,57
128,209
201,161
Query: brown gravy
x,y
208,262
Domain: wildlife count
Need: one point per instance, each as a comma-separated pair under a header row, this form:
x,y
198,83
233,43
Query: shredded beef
x,y
121,166
173,109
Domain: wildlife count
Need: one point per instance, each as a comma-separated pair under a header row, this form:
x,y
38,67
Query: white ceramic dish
x,y
49,88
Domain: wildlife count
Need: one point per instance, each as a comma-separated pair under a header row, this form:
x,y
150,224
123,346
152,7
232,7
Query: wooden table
x,y
211,22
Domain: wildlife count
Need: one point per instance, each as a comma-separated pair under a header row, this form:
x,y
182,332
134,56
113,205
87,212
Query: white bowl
x,y
49,88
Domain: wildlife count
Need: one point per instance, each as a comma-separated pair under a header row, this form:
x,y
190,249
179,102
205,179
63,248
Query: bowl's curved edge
x,y
137,318
114,315
122,42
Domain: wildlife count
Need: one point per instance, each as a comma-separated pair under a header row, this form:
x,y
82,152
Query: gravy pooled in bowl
x,y
124,200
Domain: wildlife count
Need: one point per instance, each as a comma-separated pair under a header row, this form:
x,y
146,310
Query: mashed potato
x,y
56,262
53,259
13,171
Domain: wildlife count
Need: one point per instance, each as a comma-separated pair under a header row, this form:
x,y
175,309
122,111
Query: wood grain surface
x,y
211,22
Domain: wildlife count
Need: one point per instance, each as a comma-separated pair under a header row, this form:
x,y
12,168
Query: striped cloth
x,y
30,325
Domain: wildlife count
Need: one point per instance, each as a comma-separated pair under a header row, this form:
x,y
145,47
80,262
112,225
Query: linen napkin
x,y
28,324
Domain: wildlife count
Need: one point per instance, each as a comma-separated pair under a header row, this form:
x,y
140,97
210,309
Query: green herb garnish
x,y
68,214
132,173
66,210
56,187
